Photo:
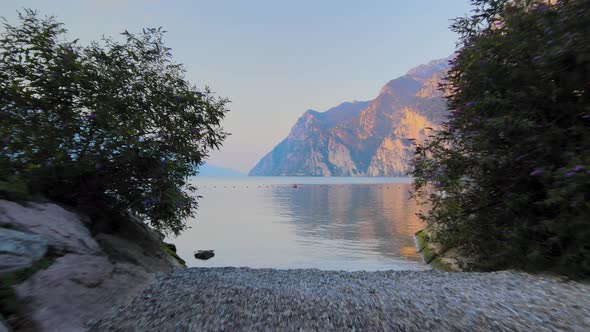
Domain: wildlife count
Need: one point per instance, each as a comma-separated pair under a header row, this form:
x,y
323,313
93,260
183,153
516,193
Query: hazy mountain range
x,y
363,138
212,170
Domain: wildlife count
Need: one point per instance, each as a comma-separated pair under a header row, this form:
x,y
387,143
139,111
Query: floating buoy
x,y
294,186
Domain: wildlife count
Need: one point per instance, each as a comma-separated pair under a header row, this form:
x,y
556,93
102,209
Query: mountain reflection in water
x,y
324,223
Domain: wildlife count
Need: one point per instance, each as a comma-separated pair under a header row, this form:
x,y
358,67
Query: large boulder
x,y
19,250
78,288
64,231
90,275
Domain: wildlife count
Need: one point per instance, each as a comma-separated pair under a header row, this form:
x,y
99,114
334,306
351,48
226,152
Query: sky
x,y
273,59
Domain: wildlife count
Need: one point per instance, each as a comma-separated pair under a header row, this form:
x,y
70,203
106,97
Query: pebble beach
x,y
244,299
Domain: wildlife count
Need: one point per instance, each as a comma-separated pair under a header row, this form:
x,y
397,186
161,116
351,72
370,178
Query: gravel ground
x,y
237,299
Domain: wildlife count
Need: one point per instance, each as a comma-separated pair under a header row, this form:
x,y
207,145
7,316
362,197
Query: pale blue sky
x,y
274,59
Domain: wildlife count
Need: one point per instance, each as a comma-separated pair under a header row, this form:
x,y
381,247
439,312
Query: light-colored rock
x,y
92,274
63,230
3,326
19,250
77,288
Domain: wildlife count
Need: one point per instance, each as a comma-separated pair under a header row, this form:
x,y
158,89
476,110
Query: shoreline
x,y
256,299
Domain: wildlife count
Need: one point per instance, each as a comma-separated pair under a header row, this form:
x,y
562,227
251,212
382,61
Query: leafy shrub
x,y
112,125
508,175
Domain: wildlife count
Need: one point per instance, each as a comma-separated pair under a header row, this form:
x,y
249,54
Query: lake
x,y
334,223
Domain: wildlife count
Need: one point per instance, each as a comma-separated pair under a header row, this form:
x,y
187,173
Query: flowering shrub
x,y
507,178
111,125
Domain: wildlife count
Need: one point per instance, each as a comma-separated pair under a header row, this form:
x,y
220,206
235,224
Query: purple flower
x,y
49,164
536,58
536,172
586,116
469,103
179,98
578,168
90,116
520,157
6,140
570,174
149,201
98,166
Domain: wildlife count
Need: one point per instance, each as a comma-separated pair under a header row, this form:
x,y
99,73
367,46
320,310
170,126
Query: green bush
x,y
507,178
113,124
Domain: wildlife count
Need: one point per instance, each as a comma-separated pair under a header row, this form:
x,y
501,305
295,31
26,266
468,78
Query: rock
x,y
160,235
436,256
140,243
78,288
63,230
146,254
170,246
91,276
19,250
204,254
3,326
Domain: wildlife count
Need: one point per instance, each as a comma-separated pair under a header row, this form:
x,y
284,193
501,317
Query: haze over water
x,y
325,223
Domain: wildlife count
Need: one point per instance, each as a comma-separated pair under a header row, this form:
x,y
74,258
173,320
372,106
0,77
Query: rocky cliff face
x,y
372,138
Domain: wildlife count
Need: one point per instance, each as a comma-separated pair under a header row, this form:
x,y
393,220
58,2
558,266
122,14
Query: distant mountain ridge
x,y
212,170
367,138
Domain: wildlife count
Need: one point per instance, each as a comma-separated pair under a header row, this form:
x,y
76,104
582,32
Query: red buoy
x,y
294,186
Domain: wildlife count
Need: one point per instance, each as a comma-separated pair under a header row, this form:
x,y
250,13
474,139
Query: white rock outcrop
x,y
64,230
19,250
90,274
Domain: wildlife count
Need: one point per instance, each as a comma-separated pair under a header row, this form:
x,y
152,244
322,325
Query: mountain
x,y
369,138
212,170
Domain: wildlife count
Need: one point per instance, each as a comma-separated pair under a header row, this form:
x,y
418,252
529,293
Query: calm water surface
x,y
325,223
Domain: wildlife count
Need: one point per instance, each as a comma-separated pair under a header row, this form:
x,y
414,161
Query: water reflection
x,y
326,223
379,218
